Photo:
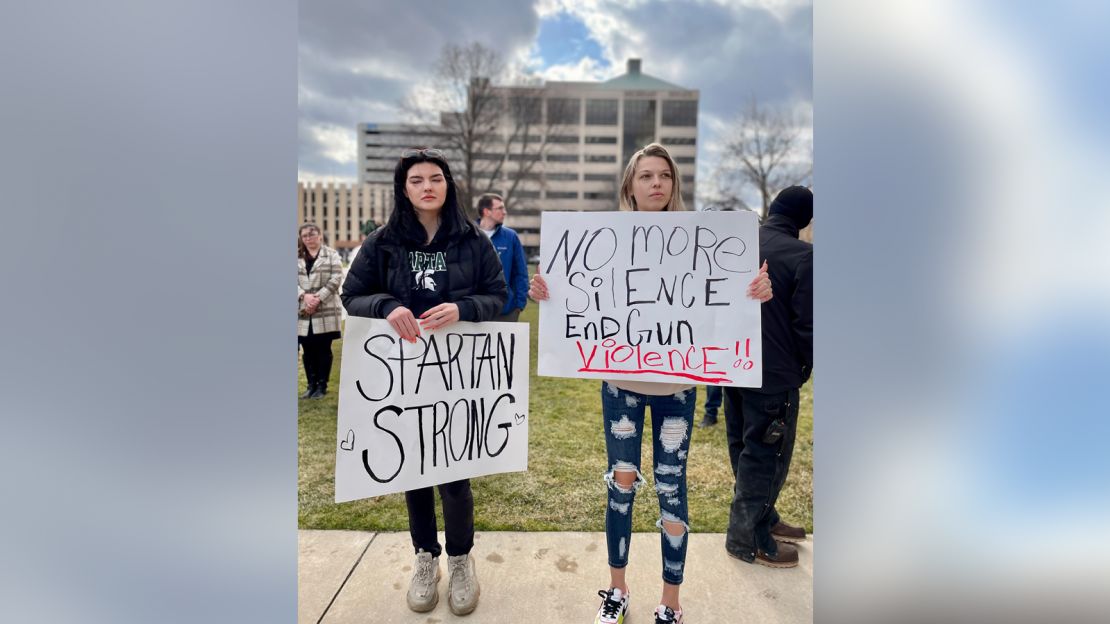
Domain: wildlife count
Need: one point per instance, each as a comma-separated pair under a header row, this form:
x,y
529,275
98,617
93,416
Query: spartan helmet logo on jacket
x,y
424,280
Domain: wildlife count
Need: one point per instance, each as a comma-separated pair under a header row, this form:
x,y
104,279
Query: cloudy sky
x,y
357,60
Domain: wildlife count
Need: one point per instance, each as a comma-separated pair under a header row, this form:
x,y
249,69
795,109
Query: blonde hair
x,y
628,202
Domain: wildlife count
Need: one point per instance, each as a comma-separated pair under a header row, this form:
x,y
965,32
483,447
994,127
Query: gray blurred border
x,y
962,311
149,452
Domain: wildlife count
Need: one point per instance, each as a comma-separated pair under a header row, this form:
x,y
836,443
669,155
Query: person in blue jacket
x,y
491,213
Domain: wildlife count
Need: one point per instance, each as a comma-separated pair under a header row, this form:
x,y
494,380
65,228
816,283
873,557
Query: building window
x,y
684,160
526,195
639,126
563,111
599,177
562,194
526,110
602,139
527,157
680,113
562,158
604,158
562,176
678,141
597,196
562,138
601,112
687,179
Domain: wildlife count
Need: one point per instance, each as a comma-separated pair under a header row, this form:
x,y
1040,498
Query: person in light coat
x,y
319,311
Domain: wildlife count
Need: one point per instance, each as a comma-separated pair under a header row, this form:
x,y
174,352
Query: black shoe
x,y
307,394
707,421
319,392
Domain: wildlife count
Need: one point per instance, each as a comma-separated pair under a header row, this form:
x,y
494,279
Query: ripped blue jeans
x,y
672,417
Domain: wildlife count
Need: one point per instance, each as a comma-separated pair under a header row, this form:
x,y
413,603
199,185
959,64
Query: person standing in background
x,y
761,422
491,212
713,398
319,272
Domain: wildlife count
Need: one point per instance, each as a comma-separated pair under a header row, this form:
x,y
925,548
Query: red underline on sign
x,y
657,372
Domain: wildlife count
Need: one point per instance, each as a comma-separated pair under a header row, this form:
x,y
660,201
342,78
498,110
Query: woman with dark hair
x,y
427,268
319,273
650,184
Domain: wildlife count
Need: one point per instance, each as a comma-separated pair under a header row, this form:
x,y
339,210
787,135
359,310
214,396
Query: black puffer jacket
x,y
380,279
788,316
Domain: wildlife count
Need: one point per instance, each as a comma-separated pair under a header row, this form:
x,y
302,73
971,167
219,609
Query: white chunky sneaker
x,y
614,607
424,590
462,584
666,615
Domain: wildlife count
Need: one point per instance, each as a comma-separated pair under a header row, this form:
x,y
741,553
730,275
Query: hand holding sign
x,y
537,288
760,288
404,323
442,315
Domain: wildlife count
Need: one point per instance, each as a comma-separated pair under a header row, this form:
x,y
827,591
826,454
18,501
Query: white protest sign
x,y
651,297
451,406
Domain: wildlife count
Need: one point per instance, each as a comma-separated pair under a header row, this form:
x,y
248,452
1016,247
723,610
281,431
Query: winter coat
x,y
788,317
511,252
323,281
381,278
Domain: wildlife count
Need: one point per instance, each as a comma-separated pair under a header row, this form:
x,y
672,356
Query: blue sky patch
x,y
564,39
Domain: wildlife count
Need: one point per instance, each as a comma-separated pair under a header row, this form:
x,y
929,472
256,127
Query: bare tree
x,y
764,151
492,123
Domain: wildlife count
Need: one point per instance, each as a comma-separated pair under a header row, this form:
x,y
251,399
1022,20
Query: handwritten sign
x,y
451,406
651,297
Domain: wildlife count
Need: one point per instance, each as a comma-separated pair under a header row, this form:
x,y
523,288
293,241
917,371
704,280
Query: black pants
x,y
317,357
512,317
458,518
712,404
760,467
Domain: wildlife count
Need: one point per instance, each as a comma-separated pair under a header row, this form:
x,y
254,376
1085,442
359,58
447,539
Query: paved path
x,y
361,577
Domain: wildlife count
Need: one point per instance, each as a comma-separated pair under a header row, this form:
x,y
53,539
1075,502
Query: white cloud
x,y
337,143
356,67
586,69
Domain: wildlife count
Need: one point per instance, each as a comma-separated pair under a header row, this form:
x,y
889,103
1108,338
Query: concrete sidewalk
x,y
352,576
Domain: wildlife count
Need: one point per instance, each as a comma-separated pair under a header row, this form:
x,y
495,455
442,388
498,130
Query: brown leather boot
x,y
783,532
787,557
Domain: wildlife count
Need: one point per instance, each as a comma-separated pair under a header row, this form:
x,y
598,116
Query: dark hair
x,y
302,251
485,202
403,225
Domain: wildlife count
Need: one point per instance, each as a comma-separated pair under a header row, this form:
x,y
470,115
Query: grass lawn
x,y
562,490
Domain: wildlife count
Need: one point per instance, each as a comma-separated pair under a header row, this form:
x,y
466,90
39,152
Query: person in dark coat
x,y
761,422
426,268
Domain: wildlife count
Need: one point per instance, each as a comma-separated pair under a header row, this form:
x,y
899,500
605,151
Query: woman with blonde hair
x,y
650,184
319,273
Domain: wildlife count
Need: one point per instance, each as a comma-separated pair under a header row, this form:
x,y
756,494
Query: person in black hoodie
x,y
427,268
761,422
